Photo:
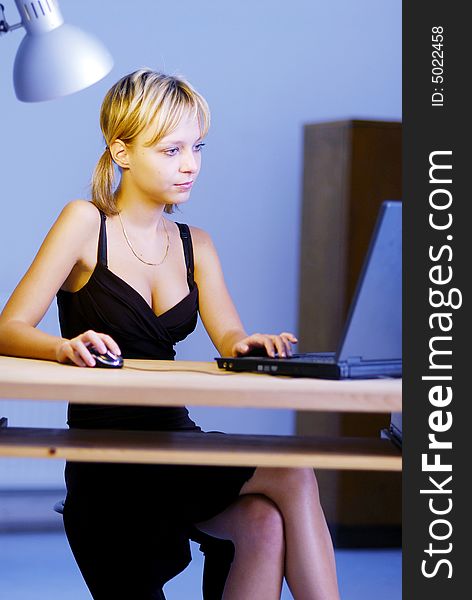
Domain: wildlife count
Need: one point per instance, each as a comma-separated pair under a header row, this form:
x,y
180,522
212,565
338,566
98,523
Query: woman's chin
x,y
180,199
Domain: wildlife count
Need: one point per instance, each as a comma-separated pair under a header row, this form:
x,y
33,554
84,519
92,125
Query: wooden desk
x,y
169,383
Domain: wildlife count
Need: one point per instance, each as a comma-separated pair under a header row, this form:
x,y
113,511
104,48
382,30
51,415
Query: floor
x,y
40,566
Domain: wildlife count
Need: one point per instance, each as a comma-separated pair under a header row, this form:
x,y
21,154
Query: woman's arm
x,y
60,251
219,315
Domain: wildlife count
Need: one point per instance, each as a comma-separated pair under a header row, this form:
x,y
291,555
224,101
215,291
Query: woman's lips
x,y
184,186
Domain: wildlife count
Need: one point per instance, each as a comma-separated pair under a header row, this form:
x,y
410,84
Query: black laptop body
x,y
371,343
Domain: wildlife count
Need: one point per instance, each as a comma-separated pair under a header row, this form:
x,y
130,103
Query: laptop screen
x,y
373,329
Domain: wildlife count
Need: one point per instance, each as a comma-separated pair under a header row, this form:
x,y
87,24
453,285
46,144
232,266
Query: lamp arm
x,y
4,26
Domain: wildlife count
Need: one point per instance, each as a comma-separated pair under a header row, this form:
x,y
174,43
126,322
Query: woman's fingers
x,y
110,342
288,339
261,340
77,350
289,336
287,345
91,338
279,345
82,351
269,345
68,354
244,346
77,359
101,342
282,344
241,348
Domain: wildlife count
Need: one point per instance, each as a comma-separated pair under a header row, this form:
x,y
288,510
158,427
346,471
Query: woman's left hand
x,y
282,344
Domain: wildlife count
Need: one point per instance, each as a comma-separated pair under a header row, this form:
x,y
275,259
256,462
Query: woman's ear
x,y
119,153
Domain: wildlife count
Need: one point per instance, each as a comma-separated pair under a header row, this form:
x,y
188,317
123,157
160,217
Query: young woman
x,y
130,280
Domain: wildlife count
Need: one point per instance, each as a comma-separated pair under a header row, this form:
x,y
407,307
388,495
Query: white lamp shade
x,y
57,63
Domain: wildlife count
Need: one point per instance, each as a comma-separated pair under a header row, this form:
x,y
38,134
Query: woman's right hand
x,y
76,350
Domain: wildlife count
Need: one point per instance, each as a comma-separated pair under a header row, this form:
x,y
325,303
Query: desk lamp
x,y
54,59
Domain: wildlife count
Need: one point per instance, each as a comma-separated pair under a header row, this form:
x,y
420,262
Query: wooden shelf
x,y
370,454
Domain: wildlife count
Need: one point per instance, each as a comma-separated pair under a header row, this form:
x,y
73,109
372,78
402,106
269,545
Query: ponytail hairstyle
x,y
143,99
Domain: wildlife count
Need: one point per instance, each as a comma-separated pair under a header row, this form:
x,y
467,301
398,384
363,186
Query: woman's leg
x,y
310,568
309,557
255,527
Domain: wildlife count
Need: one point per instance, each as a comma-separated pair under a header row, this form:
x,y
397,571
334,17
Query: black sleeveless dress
x,y
128,525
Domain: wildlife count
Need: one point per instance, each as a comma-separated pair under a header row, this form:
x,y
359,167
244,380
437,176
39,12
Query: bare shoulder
x,y
201,239
82,213
68,243
204,251
76,228
78,222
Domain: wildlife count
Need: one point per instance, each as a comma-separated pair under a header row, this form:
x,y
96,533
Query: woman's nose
x,y
189,162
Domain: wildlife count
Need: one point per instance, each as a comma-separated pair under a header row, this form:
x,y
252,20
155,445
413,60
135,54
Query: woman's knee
x,y
262,526
281,484
299,484
300,479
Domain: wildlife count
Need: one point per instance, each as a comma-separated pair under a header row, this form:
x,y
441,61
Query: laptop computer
x,y
371,342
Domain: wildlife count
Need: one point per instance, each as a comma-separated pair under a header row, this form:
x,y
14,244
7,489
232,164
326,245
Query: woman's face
x,y
166,171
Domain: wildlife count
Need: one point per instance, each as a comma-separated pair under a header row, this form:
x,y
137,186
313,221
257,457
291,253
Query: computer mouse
x,y
106,360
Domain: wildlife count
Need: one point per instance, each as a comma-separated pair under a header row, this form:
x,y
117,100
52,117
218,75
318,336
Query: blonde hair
x,y
142,99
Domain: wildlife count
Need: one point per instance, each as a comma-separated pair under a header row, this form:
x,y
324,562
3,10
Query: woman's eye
x,y
171,151
199,147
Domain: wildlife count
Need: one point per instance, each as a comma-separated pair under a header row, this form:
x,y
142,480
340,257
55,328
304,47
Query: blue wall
x,y
266,68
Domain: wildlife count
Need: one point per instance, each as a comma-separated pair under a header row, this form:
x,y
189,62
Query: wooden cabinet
x,y
350,167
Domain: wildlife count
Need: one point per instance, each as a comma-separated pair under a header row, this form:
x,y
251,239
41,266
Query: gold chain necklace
x,y
136,254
